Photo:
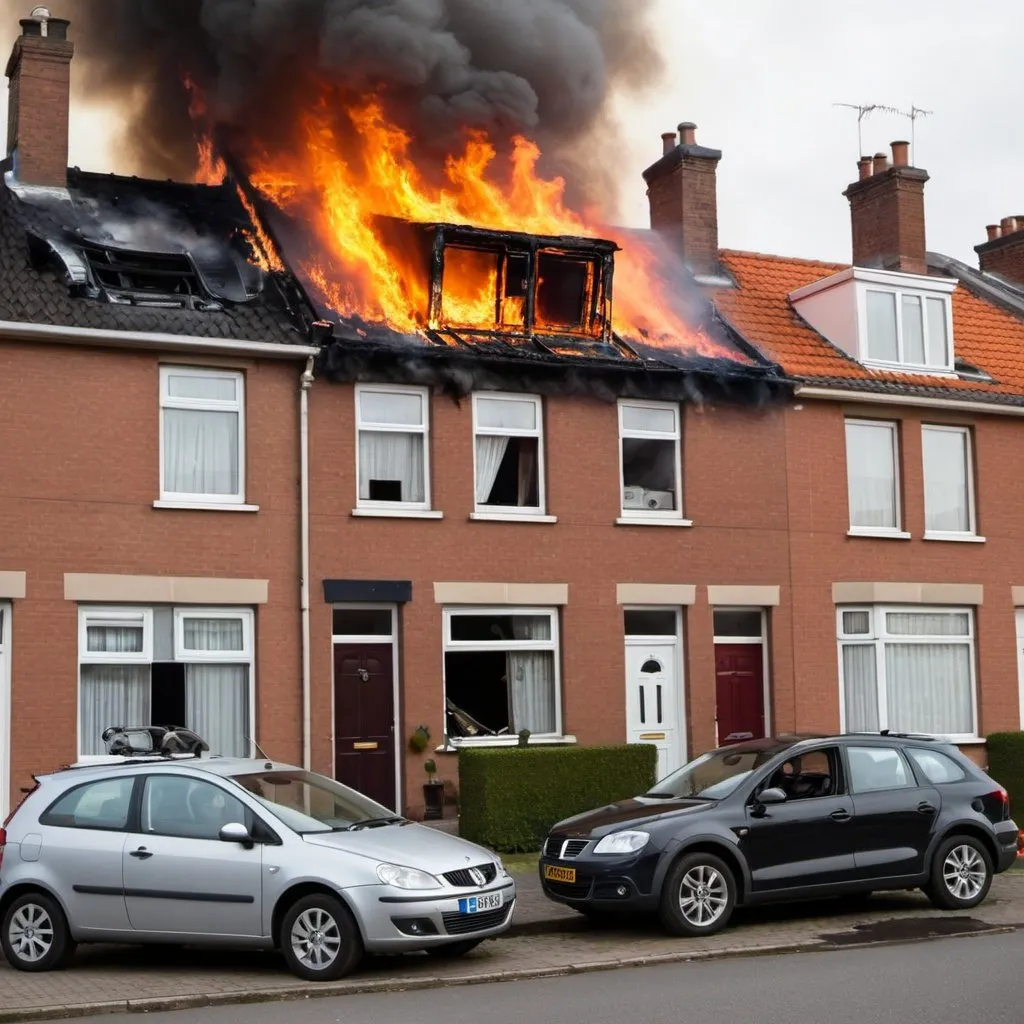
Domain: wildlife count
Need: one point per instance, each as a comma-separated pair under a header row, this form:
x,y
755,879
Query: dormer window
x,y
883,319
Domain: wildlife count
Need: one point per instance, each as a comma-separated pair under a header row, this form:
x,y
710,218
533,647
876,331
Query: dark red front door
x,y
364,720
739,691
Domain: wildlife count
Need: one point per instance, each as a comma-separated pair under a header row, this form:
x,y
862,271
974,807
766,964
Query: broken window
x,y
501,672
470,287
509,453
392,452
649,438
563,291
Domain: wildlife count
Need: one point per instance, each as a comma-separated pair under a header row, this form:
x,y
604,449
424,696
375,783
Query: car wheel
x,y
698,896
35,934
961,874
319,939
453,950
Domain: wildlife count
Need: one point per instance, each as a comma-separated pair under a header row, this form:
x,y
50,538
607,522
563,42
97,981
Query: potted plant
x,y
524,738
433,793
419,739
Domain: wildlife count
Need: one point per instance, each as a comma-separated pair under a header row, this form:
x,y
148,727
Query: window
x,y
905,329
808,775
738,623
872,476
876,768
509,454
908,669
935,766
175,805
102,805
202,431
948,480
501,672
649,622
162,666
649,449
392,455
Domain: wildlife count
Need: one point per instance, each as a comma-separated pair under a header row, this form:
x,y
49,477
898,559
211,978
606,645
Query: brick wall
x,y
887,220
1003,256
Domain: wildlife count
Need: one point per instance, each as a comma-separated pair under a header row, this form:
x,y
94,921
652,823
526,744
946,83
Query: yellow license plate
x,y
557,874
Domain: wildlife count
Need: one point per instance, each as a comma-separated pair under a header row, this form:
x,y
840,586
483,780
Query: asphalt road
x,y
944,981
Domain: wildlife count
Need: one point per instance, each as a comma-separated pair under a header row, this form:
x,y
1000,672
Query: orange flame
x,y
210,168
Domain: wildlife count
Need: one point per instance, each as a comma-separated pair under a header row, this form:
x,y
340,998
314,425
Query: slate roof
x,y
986,335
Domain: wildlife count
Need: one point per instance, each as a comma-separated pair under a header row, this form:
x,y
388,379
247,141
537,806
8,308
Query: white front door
x,y
5,709
653,700
1020,662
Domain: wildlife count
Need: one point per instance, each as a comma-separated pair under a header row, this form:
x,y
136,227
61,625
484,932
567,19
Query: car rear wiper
x,y
393,819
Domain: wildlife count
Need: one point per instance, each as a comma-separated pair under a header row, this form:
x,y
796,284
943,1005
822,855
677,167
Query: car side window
x,y
935,766
175,805
101,805
811,774
877,768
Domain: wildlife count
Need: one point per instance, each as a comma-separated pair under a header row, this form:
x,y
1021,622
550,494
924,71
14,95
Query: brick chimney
x,y
682,190
887,213
39,70
1003,252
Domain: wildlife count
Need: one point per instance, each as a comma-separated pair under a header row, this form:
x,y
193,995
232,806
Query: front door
x,y
652,701
5,711
364,720
739,692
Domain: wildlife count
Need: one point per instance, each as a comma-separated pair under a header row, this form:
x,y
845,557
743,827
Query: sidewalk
x,y
546,940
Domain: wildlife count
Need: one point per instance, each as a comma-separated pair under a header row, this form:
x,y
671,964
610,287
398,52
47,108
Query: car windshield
x,y
715,775
307,802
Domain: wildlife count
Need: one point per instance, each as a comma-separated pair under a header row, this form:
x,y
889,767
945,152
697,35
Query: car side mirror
x,y
236,832
772,795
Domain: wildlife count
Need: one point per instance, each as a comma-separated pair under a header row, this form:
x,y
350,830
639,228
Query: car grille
x,y
564,849
465,879
569,890
460,924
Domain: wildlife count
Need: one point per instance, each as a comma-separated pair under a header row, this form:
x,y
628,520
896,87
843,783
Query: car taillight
x,y
3,843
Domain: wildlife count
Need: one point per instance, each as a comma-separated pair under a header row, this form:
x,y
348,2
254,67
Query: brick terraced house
x,y
798,517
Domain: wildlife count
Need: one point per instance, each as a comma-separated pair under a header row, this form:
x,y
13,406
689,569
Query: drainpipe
x,y
307,383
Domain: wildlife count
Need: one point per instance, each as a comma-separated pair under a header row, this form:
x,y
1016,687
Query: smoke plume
x,y
545,68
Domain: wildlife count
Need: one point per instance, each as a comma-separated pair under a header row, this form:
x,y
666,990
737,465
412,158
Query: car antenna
x,y
259,749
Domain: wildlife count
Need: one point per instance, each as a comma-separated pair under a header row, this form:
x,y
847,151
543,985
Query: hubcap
x,y
31,933
316,939
964,872
703,895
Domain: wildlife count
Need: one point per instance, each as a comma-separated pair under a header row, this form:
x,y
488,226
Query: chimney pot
x,y
881,163
900,154
993,231
1007,226
688,133
668,142
865,167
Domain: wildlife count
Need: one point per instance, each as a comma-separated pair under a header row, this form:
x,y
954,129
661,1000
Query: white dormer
x,y
884,319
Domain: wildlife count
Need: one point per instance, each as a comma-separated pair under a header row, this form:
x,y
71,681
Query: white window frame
x,y
392,507
972,522
641,514
761,640
115,617
187,655
517,511
203,405
875,531
553,645
878,636
5,707
946,369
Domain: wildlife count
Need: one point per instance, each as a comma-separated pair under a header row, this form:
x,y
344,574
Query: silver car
x,y
236,852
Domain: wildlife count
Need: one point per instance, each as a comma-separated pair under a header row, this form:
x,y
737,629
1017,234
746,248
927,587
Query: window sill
x,y
206,506
453,746
879,534
957,538
644,521
398,513
507,517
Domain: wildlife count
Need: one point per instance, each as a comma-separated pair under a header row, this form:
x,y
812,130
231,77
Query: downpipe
x,y
306,383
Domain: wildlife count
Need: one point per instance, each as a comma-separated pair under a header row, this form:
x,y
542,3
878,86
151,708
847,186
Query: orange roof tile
x,y
983,334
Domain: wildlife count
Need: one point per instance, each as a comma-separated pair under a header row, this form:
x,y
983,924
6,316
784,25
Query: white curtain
x,y
200,452
392,456
489,453
112,695
531,678
217,706
928,688
114,639
928,623
882,343
214,634
945,481
871,475
860,687
913,330
527,470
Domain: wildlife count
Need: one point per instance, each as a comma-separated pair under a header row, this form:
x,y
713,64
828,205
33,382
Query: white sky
x,y
760,77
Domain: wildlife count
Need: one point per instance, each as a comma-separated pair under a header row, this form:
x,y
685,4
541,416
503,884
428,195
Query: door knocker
x,y
364,675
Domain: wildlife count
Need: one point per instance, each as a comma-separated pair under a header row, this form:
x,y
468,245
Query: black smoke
x,y
546,68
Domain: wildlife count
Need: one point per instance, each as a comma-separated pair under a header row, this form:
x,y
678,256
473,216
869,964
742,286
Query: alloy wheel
x,y
31,932
964,872
703,895
316,939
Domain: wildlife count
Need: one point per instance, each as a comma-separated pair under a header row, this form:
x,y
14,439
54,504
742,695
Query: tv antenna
x,y
863,110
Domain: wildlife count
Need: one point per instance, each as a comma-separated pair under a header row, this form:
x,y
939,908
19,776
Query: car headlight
x,y
406,878
502,870
623,842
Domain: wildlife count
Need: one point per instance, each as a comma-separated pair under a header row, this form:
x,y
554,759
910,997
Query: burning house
x,y
369,427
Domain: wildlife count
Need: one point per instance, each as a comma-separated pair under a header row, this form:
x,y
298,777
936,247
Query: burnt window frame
x,y
481,510
674,516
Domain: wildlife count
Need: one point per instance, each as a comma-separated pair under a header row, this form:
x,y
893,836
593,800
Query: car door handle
x,y
142,853
925,808
840,815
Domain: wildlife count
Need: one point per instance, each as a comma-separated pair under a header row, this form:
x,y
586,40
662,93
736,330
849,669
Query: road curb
x,y
325,990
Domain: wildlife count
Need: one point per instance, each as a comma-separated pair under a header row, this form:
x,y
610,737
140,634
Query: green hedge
x,y
510,796
1006,766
